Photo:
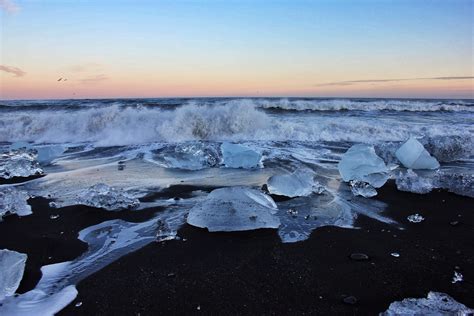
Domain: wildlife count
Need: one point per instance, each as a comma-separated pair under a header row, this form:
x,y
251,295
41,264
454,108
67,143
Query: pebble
x,y
395,254
454,223
351,300
359,256
171,275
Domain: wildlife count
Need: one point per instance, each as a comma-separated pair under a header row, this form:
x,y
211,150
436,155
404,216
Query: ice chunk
x,y
239,156
19,163
415,218
12,266
435,304
362,189
189,156
459,183
410,181
14,201
235,209
103,196
361,163
413,155
299,183
458,277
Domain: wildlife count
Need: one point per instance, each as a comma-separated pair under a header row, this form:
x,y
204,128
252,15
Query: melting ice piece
x,y
458,277
12,266
239,156
435,304
189,156
413,155
361,163
13,201
363,189
415,218
103,196
235,209
459,183
19,163
299,183
410,181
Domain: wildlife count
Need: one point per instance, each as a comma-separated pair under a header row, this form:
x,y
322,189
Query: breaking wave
x,y
235,120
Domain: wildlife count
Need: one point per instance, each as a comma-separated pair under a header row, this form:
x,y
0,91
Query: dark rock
x,y
351,300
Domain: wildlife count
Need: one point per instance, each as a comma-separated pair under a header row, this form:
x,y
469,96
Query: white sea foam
x,y
232,120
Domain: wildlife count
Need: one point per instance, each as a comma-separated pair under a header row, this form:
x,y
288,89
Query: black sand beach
x,y
253,272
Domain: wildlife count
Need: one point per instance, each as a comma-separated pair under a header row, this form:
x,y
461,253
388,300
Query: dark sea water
x,y
143,146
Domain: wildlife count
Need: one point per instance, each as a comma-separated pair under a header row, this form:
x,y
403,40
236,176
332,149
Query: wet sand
x,y
253,272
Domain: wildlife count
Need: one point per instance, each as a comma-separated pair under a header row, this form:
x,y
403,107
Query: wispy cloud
x,y
13,70
352,82
94,79
9,6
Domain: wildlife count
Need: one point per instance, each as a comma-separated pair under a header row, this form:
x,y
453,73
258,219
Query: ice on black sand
x,y
436,303
240,156
14,201
298,183
413,155
235,209
12,266
365,171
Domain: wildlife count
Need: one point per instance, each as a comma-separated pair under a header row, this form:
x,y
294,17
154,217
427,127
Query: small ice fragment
x,y
239,156
103,196
363,189
359,256
55,216
409,181
415,218
395,254
413,155
53,204
458,277
19,163
164,232
234,209
14,201
78,304
298,183
361,163
435,304
12,266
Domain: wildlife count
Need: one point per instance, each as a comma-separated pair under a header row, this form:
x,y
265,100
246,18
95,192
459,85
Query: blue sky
x,y
197,48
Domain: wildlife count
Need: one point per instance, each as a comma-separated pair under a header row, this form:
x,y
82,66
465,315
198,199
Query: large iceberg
x,y
103,196
361,163
14,201
12,266
19,163
235,209
413,155
239,156
435,304
298,183
189,156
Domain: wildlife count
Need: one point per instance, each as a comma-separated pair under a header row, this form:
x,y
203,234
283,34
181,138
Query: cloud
x,y
9,6
94,79
14,70
352,82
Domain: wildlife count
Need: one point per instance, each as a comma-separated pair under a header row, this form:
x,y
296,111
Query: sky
x,y
333,48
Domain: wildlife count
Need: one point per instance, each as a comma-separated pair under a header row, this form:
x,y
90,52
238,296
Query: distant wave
x,y
234,120
368,105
